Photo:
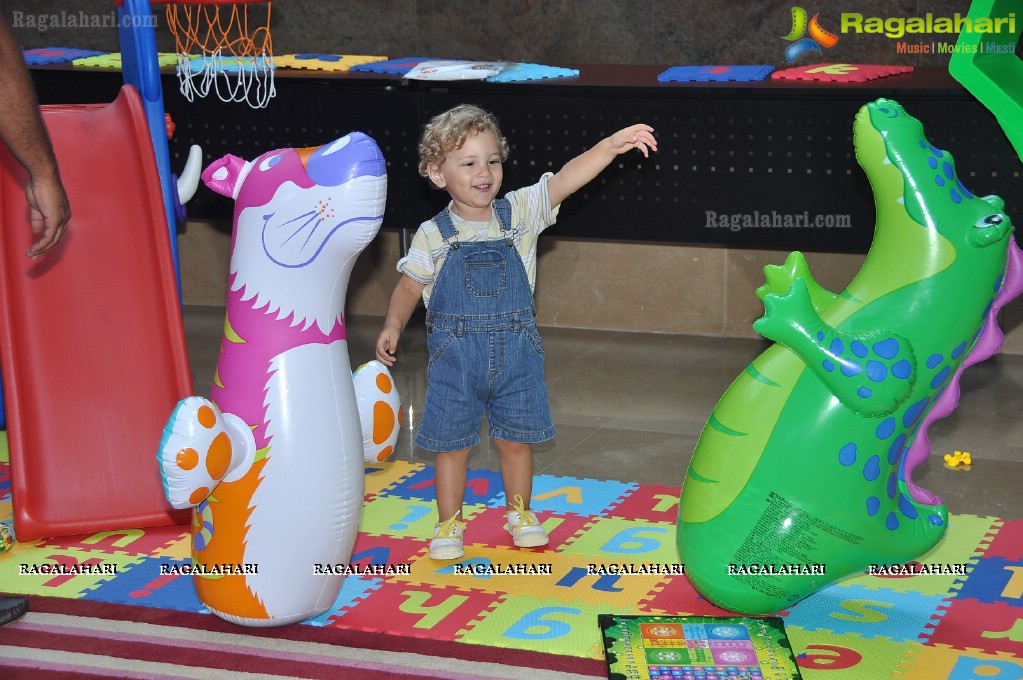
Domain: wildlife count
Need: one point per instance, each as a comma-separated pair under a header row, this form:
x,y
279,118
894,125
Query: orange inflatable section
x,y
91,337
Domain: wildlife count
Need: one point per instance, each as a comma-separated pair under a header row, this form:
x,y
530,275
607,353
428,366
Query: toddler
x,y
474,266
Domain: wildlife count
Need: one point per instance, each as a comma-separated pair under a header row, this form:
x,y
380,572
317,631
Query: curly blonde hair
x,y
447,131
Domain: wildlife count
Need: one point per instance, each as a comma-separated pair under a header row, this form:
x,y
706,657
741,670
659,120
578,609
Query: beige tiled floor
x,y
630,406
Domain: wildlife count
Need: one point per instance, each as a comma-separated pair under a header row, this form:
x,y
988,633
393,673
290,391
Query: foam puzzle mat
x,y
840,73
338,63
397,67
519,72
924,626
40,56
715,74
113,60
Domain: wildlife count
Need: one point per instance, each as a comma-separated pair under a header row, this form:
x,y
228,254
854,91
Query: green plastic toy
x,y
985,63
802,475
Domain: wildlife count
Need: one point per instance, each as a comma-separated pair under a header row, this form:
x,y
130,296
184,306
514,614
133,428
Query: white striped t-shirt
x,y
530,214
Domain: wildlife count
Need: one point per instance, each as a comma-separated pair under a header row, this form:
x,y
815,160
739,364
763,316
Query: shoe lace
x,y
446,529
526,517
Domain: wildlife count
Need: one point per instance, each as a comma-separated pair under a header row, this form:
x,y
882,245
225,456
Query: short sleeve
x,y
419,264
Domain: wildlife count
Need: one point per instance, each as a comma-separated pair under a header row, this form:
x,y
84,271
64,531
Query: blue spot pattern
x,y
946,175
905,423
881,361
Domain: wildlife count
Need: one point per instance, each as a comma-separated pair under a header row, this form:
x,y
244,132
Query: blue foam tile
x,y
521,72
397,67
143,584
481,486
230,64
572,496
354,589
41,56
714,73
988,581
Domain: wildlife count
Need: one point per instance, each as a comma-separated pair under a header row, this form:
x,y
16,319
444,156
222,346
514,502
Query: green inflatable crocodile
x,y
802,474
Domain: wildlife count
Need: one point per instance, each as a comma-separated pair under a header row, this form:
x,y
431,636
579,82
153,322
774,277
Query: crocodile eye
x,y
989,221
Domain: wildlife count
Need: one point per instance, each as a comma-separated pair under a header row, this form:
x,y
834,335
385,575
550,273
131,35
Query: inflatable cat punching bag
x,y
802,475
273,461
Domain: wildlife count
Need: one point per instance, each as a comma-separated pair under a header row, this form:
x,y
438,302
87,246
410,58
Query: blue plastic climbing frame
x,y
141,70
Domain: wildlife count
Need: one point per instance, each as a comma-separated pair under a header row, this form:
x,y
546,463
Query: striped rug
x,y
62,638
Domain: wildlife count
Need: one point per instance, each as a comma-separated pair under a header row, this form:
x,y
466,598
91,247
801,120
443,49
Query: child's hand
x,y
638,136
387,346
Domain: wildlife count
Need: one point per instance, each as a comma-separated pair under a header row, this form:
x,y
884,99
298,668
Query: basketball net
x,y
220,51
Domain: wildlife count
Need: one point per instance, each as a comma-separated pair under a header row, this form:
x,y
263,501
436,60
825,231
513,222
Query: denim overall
x,y
485,352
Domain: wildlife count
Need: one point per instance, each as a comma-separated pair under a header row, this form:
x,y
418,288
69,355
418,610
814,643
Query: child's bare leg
x,y
517,474
449,480
450,476
516,471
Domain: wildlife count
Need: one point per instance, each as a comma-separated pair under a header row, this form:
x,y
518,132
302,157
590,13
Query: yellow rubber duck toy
x,y
960,460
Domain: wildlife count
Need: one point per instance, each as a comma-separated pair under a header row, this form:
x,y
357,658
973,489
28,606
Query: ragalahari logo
x,y
802,43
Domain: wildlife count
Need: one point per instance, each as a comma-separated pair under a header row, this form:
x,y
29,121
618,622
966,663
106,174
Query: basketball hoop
x,y
224,48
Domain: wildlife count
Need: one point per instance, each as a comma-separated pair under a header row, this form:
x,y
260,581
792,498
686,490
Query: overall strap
x,y
444,224
501,207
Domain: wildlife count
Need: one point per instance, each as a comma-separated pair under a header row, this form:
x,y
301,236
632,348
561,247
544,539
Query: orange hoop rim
x,y
202,2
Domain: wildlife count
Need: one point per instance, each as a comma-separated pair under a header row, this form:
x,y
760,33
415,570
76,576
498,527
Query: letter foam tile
x,y
653,503
481,487
940,662
405,518
381,477
570,495
867,613
340,63
41,56
551,625
840,73
113,60
846,657
231,64
373,550
994,579
434,612
714,74
521,72
488,528
1007,542
394,67
354,591
991,628
677,597
125,541
57,572
615,539
163,584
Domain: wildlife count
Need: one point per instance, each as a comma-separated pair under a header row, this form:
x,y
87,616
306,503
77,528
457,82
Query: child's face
x,y
471,175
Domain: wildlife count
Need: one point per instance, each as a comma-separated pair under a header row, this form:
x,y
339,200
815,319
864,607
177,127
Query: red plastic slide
x,y
91,338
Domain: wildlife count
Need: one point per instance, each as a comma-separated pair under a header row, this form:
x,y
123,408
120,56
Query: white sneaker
x,y
447,539
523,526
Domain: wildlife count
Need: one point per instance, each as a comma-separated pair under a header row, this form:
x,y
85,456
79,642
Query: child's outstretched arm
x,y
403,302
580,170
